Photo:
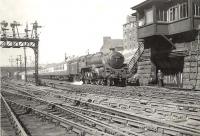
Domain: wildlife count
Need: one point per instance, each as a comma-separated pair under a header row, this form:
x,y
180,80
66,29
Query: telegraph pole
x,y
66,57
20,62
17,59
25,64
25,59
11,61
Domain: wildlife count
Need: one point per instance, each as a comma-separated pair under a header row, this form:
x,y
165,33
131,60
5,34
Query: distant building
x,y
10,71
108,43
130,33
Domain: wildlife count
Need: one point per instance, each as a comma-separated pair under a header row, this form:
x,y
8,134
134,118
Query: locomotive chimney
x,y
106,39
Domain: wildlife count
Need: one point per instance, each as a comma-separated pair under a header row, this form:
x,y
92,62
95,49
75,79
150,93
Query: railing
x,y
134,60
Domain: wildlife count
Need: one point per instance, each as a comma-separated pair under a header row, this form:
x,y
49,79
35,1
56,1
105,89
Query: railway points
x,y
150,116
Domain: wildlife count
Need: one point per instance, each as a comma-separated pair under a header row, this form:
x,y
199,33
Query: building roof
x,y
146,2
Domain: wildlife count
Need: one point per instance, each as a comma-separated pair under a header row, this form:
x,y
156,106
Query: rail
x,y
16,124
91,122
157,125
78,128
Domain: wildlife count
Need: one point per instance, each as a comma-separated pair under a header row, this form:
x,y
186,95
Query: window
x,y
183,10
149,16
162,15
178,12
141,22
196,10
173,13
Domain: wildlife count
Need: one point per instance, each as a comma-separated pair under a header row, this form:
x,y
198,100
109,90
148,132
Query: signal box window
x,y
183,10
196,10
173,13
149,16
162,15
178,12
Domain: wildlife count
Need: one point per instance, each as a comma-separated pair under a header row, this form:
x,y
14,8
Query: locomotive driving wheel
x,y
103,82
123,83
110,82
98,82
86,81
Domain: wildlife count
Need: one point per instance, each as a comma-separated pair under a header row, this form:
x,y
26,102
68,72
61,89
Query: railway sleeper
x,y
170,129
89,123
13,119
103,117
136,125
110,131
124,107
121,121
76,129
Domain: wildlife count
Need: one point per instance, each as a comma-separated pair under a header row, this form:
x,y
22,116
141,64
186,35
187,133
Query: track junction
x,y
100,110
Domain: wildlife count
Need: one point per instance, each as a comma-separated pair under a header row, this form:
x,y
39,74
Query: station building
x,y
169,31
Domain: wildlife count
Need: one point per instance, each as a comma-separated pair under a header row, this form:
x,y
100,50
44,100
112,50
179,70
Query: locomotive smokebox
x,y
114,59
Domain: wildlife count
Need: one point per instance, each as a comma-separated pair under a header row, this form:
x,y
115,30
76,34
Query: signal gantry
x,y
18,40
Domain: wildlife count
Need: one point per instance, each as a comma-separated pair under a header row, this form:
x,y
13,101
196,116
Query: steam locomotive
x,y
101,69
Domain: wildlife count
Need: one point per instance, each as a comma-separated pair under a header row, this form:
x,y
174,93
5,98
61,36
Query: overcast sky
x,y
70,26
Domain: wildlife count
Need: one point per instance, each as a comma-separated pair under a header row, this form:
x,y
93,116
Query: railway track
x,y
61,122
130,124
85,123
182,96
147,104
113,114
143,96
10,125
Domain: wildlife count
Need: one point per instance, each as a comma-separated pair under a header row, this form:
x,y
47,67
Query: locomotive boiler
x,y
105,69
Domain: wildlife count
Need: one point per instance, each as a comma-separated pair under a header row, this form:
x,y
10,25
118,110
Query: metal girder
x,y
167,39
23,42
17,42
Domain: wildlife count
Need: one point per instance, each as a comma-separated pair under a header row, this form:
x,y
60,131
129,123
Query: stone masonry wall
x,y
191,72
144,67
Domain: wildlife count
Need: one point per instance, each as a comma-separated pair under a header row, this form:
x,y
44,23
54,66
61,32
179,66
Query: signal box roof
x,y
147,2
